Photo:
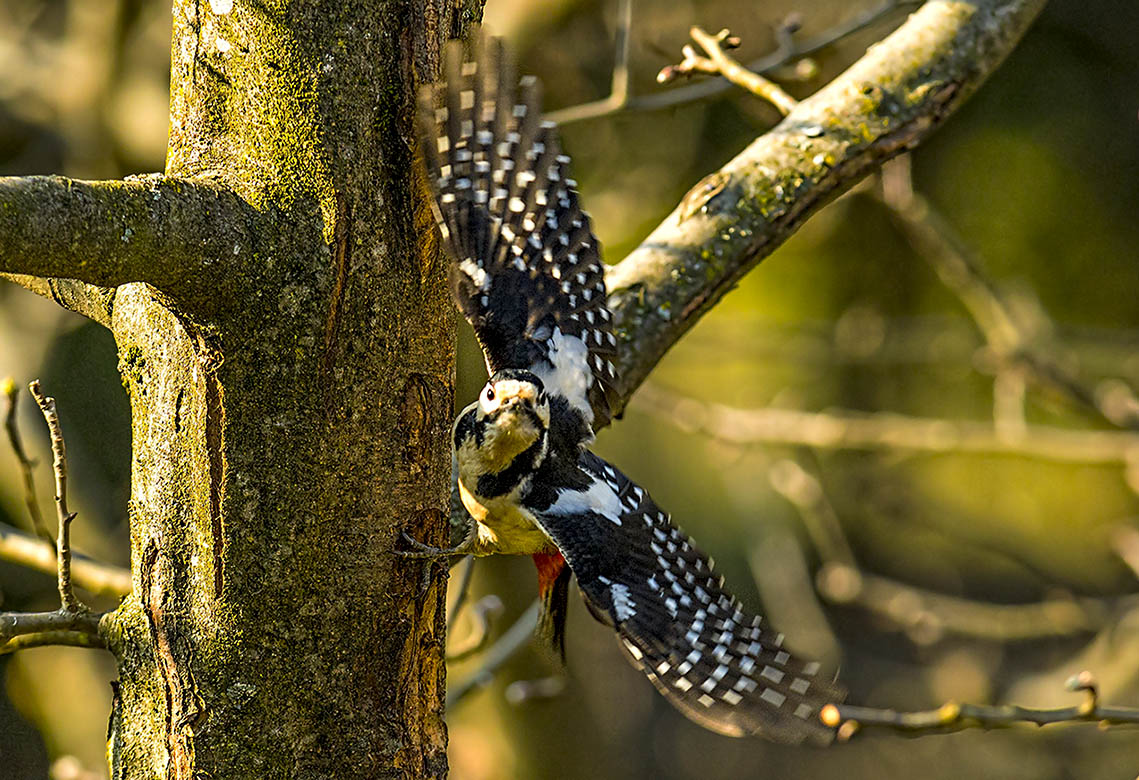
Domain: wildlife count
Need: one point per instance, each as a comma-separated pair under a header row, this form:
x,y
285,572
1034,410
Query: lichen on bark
x,y
288,426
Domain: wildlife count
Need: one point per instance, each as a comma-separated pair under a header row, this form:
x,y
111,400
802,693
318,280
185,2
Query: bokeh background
x,y
1037,177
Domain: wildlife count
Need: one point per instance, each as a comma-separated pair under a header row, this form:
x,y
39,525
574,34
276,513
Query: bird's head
x,y
511,415
514,401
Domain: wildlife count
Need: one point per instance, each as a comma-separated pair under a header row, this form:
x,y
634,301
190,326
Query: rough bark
x,y
291,397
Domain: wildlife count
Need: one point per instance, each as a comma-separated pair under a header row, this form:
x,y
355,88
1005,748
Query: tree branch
x,y
1013,343
513,640
850,719
69,603
40,554
717,62
846,430
73,623
101,579
11,426
789,50
887,102
180,236
36,629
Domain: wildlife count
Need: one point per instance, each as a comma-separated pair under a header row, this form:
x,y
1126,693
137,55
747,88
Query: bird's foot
x,y
432,556
422,550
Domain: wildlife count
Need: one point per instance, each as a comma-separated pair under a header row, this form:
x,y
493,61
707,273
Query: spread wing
x,y
703,651
527,271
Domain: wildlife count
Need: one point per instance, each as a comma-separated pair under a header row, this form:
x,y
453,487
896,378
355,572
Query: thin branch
x,y
483,613
11,425
718,63
101,579
73,623
618,97
513,640
924,615
789,50
850,719
842,430
887,102
67,598
461,592
1013,345
927,617
113,232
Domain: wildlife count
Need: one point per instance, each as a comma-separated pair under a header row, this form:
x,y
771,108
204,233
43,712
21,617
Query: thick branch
x,y
19,630
180,236
90,300
887,102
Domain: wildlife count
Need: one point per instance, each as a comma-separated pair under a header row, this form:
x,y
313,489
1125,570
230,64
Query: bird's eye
x,y
489,393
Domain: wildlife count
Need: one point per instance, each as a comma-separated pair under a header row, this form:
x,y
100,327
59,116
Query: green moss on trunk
x,y
286,432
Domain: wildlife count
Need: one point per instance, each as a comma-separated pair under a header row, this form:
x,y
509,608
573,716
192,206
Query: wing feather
x,y
711,658
528,274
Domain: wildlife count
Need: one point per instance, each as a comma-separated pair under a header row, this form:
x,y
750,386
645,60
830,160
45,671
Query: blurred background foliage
x,y
1037,175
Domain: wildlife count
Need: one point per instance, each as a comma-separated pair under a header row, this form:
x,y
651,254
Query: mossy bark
x,y
292,419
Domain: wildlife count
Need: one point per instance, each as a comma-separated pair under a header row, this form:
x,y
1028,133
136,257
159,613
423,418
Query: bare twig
x,y
11,425
849,719
68,601
853,430
99,578
788,50
1014,346
483,613
717,62
513,640
73,623
618,97
461,593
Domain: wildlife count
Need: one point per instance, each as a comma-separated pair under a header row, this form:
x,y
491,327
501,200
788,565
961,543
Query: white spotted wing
x,y
711,658
527,271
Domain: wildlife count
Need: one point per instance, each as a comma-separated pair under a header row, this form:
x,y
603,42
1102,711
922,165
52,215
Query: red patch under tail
x,y
553,588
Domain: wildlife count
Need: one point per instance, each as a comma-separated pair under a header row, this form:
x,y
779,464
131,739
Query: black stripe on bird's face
x,y
509,420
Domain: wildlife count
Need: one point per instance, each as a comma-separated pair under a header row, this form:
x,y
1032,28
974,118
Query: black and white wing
x,y
527,268
716,663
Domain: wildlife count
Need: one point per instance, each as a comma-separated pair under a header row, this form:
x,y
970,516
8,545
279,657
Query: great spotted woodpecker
x,y
528,276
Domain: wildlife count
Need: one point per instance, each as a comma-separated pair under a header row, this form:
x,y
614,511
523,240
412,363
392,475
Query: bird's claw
x,y
427,551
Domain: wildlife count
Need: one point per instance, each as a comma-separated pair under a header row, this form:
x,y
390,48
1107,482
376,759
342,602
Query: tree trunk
x,y
293,417
285,335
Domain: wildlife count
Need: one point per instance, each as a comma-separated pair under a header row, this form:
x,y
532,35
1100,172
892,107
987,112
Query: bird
x,y
527,274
